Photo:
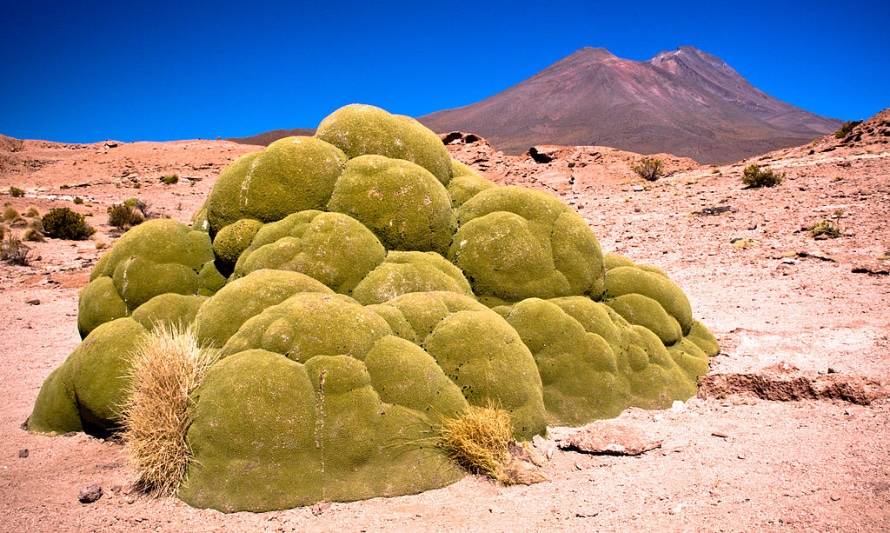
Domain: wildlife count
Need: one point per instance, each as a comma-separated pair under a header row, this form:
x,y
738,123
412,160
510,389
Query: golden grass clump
x,y
478,440
166,369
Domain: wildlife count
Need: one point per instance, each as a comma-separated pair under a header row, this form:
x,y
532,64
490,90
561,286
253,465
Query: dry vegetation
x,y
166,369
478,440
649,168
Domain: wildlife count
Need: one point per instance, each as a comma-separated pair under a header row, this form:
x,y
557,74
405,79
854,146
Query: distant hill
x,y
685,102
268,137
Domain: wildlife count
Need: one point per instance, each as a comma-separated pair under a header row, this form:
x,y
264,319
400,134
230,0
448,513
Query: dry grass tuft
x,y
166,369
478,440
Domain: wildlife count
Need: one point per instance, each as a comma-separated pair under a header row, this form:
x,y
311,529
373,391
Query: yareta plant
x,y
360,290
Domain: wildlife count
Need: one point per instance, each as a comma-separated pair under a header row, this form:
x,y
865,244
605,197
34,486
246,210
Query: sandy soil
x,y
785,301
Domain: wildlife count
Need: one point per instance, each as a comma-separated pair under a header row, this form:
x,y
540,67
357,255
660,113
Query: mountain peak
x,y
684,101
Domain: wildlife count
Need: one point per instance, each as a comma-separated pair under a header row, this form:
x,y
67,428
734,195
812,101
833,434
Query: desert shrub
x,y
10,213
32,235
170,179
32,212
755,177
649,168
166,369
2,232
14,252
825,229
63,223
478,440
139,205
846,128
124,216
78,200
15,192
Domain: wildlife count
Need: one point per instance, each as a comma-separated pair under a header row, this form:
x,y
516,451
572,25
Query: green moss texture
x,y
361,285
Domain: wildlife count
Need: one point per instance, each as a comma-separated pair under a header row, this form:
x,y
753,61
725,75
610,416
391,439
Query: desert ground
x,y
789,430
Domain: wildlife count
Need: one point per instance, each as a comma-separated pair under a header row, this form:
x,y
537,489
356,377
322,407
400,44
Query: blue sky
x,y
87,71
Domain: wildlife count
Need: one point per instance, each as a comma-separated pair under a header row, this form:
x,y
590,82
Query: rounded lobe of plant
x,y
404,272
331,247
292,174
86,392
401,202
516,243
233,239
221,316
157,257
359,129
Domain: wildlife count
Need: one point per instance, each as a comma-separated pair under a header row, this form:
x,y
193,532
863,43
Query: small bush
x,y
166,369
63,223
170,179
15,192
825,229
124,216
478,440
846,128
78,200
10,213
139,205
14,252
649,168
756,177
36,224
32,212
32,235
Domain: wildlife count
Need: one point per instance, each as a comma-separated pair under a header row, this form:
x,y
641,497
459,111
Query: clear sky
x,y
90,70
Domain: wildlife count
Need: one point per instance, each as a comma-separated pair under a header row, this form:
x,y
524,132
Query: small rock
x,y
33,301
545,446
23,453
678,406
609,438
90,493
319,508
719,434
835,498
638,188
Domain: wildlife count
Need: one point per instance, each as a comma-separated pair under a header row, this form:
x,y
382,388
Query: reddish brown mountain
x,y
684,102
268,137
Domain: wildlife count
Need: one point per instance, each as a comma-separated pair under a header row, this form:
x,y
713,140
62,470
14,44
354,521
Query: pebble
x,y
90,493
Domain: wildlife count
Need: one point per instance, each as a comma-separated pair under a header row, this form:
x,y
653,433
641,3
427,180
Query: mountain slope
x,y
685,102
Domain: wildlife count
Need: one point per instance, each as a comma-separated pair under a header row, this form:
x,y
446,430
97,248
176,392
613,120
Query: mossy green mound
x,y
233,239
401,202
334,428
361,285
291,174
221,316
84,394
404,272
477,349
516,243
465,184
363,129
330,247
594,363
154,258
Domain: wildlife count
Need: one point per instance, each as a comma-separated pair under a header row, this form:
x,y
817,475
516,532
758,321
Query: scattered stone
x,y
871,271
319,508
608,438
90,493
545,446
775,385
678,406
719,434
33,301
711,211
23,453
540,154
638,188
